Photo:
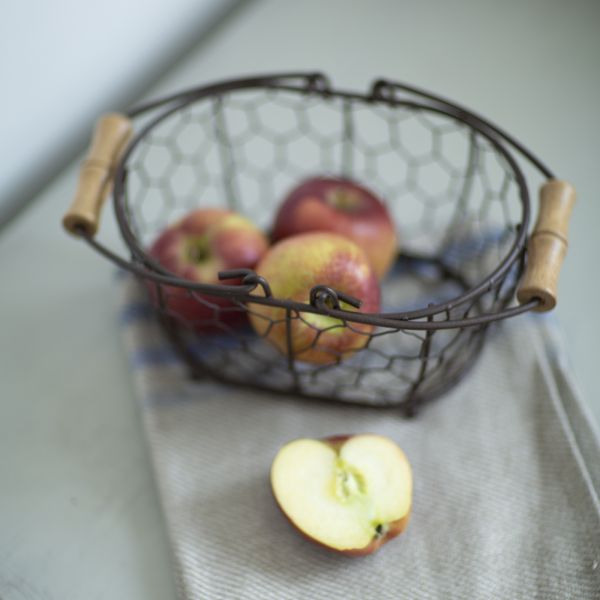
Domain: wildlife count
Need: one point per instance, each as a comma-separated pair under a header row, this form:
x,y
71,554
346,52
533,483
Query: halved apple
x,y
350,494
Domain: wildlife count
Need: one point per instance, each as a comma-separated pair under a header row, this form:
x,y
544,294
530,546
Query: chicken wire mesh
x,y
454,193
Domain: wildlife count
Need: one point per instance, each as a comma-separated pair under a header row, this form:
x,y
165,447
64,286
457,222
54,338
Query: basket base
x,y
399,369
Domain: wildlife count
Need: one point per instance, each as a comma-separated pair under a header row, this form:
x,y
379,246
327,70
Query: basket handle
x,y
547,245
111,135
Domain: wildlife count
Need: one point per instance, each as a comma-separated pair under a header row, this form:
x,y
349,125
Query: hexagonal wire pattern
x,y
458,197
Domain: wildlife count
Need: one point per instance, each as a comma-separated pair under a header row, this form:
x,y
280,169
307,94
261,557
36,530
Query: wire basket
x,y
453,184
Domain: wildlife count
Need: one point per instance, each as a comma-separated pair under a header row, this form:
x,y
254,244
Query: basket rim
x,y
381,92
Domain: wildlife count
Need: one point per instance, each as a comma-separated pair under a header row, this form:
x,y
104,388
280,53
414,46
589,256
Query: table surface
x,y
79,513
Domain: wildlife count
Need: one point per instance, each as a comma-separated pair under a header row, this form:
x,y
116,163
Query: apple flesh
x,y
293,267
196,248
344,207
350,494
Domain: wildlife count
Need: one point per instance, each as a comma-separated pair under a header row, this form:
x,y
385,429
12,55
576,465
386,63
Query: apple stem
x,y
198,250
343,199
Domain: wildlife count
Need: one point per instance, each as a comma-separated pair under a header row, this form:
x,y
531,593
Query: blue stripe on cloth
x,y
188,393
166,355
134,312
464,249
121,274
152,357
221,342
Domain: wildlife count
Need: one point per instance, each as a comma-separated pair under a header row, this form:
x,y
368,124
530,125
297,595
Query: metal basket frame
x,y
316,83
323,299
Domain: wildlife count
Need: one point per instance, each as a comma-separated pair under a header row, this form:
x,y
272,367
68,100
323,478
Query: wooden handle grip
x,y
111,135
547,245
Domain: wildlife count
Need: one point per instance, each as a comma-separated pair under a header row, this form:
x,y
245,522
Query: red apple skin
x,y
229,241
293,267
395,528
344,207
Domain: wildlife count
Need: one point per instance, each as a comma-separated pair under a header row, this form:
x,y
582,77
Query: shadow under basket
x,y
455,185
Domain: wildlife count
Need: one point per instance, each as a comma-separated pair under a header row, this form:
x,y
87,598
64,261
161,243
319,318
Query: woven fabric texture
x,y
506,469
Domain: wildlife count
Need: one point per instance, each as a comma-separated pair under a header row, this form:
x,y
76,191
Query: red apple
x,y
197,247
340,206
293,267
350,494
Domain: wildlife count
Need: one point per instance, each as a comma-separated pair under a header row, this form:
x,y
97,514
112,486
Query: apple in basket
x,y
347,493
197,247
293,267
340,206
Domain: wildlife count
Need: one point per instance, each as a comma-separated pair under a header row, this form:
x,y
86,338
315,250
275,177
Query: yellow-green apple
x,y
347,493
197,247
293,267
341,206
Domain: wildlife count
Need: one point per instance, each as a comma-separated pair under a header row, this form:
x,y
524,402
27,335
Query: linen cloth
x,y
506,479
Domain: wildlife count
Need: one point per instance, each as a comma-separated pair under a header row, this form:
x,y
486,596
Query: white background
x,y
62,62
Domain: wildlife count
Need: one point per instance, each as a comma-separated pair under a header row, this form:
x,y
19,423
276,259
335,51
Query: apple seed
x,y
349,483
